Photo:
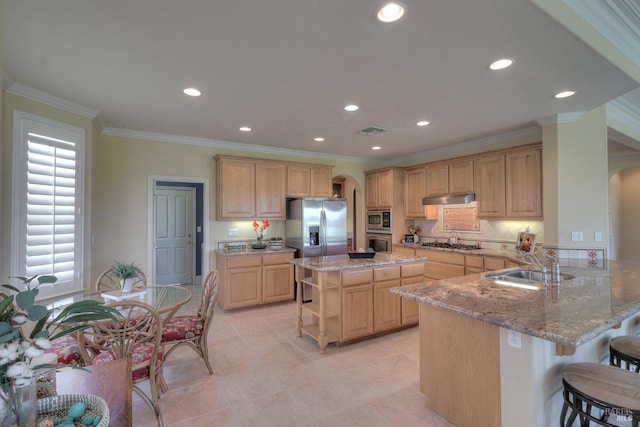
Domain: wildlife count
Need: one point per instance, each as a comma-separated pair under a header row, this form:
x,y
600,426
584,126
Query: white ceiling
x,y
286,68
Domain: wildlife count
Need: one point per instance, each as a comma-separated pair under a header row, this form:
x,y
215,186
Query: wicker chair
x,y
136,337
108,282
192,331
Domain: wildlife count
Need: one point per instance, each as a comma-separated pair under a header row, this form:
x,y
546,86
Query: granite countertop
x,y
250,251
343,262
569,313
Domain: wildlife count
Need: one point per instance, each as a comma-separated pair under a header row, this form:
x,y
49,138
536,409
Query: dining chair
x,y
136,336
192,330
107,281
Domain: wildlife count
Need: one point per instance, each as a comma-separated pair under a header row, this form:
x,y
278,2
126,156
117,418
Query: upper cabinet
x,y
450,178
509,185
384,188
305,180
415,188
524,184
249,188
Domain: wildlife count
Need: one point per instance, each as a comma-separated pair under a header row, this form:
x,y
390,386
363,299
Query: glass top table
x,y
166,299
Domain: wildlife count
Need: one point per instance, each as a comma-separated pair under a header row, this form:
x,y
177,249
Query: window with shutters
x,y
48,202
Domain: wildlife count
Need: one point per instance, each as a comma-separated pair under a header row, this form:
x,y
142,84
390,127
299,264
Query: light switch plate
x,y
514,338
597,236
233,232
576,236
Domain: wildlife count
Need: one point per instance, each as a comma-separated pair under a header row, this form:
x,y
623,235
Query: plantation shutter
x,y
51,207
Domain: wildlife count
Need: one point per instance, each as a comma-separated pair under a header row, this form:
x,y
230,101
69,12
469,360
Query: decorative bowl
x,y
57,407
361,254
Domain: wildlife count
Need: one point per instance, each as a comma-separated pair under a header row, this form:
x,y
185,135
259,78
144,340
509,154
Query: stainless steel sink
x,y
528,279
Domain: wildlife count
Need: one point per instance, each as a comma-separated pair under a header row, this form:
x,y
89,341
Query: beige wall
x,y
627,184
575,180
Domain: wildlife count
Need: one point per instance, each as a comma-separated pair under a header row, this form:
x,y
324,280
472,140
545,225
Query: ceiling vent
x,y
372,130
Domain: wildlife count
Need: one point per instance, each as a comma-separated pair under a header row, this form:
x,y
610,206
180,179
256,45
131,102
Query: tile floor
x,y
265,375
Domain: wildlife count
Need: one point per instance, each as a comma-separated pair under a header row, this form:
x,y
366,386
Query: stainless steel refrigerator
x,y
316,226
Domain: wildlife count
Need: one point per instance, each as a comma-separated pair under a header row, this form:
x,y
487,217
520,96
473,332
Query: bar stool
x,y
625,349
614,391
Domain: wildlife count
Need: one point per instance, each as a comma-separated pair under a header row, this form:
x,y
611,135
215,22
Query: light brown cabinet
x,y
441,264
309,181
411,275
270,191
415,188
380,187
357,311
473,264
387,307
524,184
450,178
509,185
248,280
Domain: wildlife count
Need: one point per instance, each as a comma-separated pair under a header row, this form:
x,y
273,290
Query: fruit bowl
x,y
361,254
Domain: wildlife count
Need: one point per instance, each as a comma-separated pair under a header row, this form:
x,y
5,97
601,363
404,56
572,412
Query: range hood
x,y
450,199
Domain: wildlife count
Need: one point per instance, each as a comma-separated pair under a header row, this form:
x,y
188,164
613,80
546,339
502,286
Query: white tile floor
x,y
265,375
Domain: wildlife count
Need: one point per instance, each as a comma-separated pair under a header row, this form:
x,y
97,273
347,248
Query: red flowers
x,y
260,228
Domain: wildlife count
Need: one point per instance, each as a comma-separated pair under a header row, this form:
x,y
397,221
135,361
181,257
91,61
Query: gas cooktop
x,y
450,246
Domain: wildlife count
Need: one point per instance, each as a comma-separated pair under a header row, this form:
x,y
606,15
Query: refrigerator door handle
x,y
323,232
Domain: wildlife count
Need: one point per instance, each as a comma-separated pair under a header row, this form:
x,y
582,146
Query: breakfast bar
x,y
350,298
492,354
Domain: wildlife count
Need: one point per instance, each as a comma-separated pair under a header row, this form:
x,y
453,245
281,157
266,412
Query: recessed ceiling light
x,y
191,91
501,64
422,123
391,12
376,147
351,107
319,139
245,129
565,94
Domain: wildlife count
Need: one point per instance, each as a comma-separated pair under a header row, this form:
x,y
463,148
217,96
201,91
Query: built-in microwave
x,y
379,220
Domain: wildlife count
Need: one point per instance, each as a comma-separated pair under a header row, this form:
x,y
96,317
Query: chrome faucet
x,y
538,263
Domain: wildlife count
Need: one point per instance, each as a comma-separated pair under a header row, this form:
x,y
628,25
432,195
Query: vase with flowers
x,y
259,229
415,229
20,351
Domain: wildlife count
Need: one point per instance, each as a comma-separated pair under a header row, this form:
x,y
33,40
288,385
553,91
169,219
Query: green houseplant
x,y
125,272
20,350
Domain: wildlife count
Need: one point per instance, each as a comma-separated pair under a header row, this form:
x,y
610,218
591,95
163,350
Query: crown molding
x,y
625,112
616,21
238,146
52,100
560,118
476,145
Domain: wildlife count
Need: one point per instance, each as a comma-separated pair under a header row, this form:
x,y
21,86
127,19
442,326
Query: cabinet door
x,y
386,306
385,189
410,309
371,190
244,287
321,184
236,193
524,184
437,180
270,191
404,250
492,263
277,283
490,186
298,181
357,311
461,177
415,187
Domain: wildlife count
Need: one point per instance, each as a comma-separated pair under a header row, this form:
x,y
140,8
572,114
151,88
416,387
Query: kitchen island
x,y
493,355
350,298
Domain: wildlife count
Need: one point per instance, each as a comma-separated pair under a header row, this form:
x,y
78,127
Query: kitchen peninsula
x,y
475,371
350,298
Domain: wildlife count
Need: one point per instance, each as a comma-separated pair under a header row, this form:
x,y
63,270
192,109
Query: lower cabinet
x,y
357,311
248,280
387,307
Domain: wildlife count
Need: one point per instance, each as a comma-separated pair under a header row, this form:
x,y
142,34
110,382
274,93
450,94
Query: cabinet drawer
x,y
491,264
244,261
386,273
356,277
474,261
410,270
440,270
442,256
276,259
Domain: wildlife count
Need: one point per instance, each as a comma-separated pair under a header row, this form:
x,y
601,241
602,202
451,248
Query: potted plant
x,y
125,273
20,350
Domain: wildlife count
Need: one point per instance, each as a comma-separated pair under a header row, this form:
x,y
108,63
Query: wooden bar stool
x,y
614,392
625,349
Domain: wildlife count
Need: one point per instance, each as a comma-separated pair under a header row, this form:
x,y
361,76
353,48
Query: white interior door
x,y
174,235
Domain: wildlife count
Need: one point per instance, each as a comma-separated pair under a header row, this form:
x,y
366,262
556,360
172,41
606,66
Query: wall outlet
x,y
233,232
576,236
597,236
514,338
